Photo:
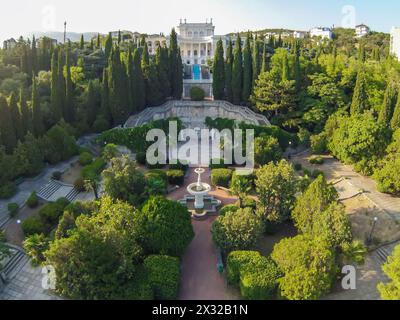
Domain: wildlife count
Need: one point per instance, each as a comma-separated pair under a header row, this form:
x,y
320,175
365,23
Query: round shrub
x,y
197,94
221,177
176,177
141,158
316,173
33,200
164,226
317,160
228,208
319,143
163,274
13,209
100,125
7,190
79,184
85,158
298,166
51,213
56,175
33,225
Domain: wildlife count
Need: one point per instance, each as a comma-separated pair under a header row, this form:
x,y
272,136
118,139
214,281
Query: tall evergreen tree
x,y
105,98
395,122
34,60
91,104
7,131
175,67
37,118
138,84
61,83
257,63
285,68
26,116
359,102
119,37
237,71
145,56
16,116
82,43
247,70
264,62
69,90
389,102
108,47
24,65
98,43
55,97
297,67
219,72
228,71
162,63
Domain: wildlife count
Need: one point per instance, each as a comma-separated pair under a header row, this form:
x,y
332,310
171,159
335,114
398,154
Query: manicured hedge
x,y
221,177
33,225
93,169
256,275
218,164
163,274
13,209
197,94
33,200
176,177
135,138
85,158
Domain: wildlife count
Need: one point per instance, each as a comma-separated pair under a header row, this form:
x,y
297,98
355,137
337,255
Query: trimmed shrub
x,y
228,208
51,212
33,200
161,174
79,184
100,125
257,276
319,143
33,225
221,177
56,175
94,169
179,166
163,274
141,158
13,209
197,94
176,177
316,173
298,166
85,158
7,190
317,160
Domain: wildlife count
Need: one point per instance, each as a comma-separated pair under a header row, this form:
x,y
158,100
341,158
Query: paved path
x,y
200,277
334,169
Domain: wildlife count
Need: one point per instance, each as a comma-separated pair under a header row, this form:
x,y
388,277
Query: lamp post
x,y
369,241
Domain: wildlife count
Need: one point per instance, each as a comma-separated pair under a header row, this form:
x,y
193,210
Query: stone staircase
x,y
18,260
383,254
50,189
4,218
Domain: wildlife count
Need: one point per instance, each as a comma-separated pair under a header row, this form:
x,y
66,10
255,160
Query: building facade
x,y
395,42
321,32
362,30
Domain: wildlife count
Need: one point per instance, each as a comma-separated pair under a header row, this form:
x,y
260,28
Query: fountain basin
x,y
199,191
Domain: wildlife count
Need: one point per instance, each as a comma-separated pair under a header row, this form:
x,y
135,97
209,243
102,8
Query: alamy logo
x,y
49,278
201,147
349,281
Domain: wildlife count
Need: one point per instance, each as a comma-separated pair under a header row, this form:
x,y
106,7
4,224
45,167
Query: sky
x,y
21,17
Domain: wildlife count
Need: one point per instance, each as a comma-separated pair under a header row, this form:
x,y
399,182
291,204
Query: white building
x,y
299,34
395,42
362,30
321,32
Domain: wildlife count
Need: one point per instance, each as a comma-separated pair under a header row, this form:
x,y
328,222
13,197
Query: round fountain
x,y
199,190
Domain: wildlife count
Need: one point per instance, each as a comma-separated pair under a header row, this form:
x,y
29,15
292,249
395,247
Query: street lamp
x,y
369,241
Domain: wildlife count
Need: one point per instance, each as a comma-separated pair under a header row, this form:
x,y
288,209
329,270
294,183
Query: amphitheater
x,y
193,114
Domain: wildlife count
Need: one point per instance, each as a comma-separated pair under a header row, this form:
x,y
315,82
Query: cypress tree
x,y
228,71
256,61
285,68
61,84
139,92
175,61
16,117
297,67
119,37
219,72
34,59
247,70
108,47
163,70
37,118
24,65
395,122
82,43
362,53
7,130
69,90
359,102
237,72
91,106
98,44
55,98
264,62
145,56
153,85
105,98
26,117
129,70
389,101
